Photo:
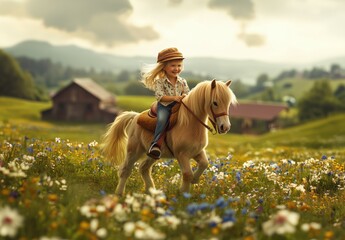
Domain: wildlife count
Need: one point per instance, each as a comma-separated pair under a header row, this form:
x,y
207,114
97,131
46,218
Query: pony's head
x,y
219,102
216,98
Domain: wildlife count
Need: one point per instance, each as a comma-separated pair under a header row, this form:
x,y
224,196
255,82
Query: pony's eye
x,y
215,104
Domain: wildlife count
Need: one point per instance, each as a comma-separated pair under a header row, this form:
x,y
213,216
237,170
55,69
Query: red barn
x,y
82,100
256,117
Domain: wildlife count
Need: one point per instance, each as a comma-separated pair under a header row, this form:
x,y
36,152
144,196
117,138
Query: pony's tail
x,y
114,141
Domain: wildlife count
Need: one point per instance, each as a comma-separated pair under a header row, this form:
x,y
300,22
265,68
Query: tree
x,y
123,76
137,88
15,82
339,93
335,71
240,89
318,102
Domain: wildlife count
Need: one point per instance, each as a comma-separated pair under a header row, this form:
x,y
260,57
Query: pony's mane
x,y
200,98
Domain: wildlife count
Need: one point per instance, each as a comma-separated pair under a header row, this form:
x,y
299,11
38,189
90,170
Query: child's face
x,y
173,68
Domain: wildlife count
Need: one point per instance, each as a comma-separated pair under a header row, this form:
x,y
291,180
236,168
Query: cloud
x,y
102,21
12,8
175,2
242,11
238,9
252,39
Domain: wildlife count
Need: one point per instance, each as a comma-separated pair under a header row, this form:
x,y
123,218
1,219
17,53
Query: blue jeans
x,y
163,115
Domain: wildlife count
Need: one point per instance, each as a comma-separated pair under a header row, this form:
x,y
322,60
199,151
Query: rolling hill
x,y
246,70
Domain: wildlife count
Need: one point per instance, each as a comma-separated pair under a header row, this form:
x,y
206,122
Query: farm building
x,y
82,100
255,117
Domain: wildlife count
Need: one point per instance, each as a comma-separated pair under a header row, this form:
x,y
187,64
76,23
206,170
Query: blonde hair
x,y
150,72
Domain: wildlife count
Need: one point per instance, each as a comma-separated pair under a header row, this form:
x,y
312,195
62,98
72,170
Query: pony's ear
x,y
213,83
228,83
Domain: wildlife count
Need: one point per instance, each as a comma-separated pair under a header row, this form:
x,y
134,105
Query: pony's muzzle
x,y
224,128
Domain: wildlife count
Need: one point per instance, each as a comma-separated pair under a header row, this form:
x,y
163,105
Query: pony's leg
x,y
125,170
187,173
145,170
202,161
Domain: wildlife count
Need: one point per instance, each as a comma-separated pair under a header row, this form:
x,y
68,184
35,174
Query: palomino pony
x,y
125,141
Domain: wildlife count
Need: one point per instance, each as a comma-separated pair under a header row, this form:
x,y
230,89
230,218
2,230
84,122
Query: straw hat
x,y
169,54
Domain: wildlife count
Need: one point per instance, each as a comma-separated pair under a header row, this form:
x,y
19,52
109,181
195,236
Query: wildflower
x,y
187,195
57,140
238,176
214,220
10,221
129,228
192,208
142,230
102,232
171,221
50,238
300,188
120,213
282,222
329,235
313,226
93,144
249,164
221,203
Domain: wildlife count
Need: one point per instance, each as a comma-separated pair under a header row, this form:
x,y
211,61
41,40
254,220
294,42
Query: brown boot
x,y
154,152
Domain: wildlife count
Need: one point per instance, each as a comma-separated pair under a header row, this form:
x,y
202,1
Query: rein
x,y
214,115
202,123
214,131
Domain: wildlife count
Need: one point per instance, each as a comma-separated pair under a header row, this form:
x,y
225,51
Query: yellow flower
x,y
215,230
52,197
84,226
329,235
5,192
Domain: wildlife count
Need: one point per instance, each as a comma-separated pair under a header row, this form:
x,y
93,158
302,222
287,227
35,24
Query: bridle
x,y
214,131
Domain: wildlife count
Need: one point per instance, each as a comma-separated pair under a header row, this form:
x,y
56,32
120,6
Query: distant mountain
x,y
246,70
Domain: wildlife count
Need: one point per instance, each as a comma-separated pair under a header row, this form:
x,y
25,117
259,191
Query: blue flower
x,y
238,176
204,206
30,150
221,203
324,157
102,193
187,195
192,208
229,216
203,196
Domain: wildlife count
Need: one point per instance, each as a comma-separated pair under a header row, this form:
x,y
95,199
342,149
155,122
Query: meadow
x,y
55,184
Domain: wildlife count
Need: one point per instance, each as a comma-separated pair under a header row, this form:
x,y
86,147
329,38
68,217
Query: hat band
x,y
168,56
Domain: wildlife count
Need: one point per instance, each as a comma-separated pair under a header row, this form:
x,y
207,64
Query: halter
x,y
214,131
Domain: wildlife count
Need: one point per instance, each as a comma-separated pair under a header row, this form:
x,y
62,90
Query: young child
x,y
169,89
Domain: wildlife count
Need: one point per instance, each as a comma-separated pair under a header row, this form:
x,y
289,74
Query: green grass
x,y
135,103
299,86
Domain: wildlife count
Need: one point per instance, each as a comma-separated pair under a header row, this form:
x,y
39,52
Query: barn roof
x,y
93,88
258,111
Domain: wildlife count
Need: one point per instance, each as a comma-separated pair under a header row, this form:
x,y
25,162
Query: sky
x,y
284,31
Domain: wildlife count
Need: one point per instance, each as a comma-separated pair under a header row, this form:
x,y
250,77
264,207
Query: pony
x,y
125,142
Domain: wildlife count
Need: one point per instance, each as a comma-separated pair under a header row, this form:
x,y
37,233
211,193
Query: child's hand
x,y
179,98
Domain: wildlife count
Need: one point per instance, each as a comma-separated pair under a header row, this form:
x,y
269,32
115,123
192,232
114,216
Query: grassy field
x,y
297,87
55,184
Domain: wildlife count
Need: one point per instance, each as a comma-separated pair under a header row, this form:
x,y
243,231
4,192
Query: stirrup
x,y
154,152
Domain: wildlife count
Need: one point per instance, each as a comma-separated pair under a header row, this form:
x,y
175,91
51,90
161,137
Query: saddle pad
x,y
149,123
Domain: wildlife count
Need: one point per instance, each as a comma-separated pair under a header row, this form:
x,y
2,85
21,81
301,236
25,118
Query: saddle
x,y
148,119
